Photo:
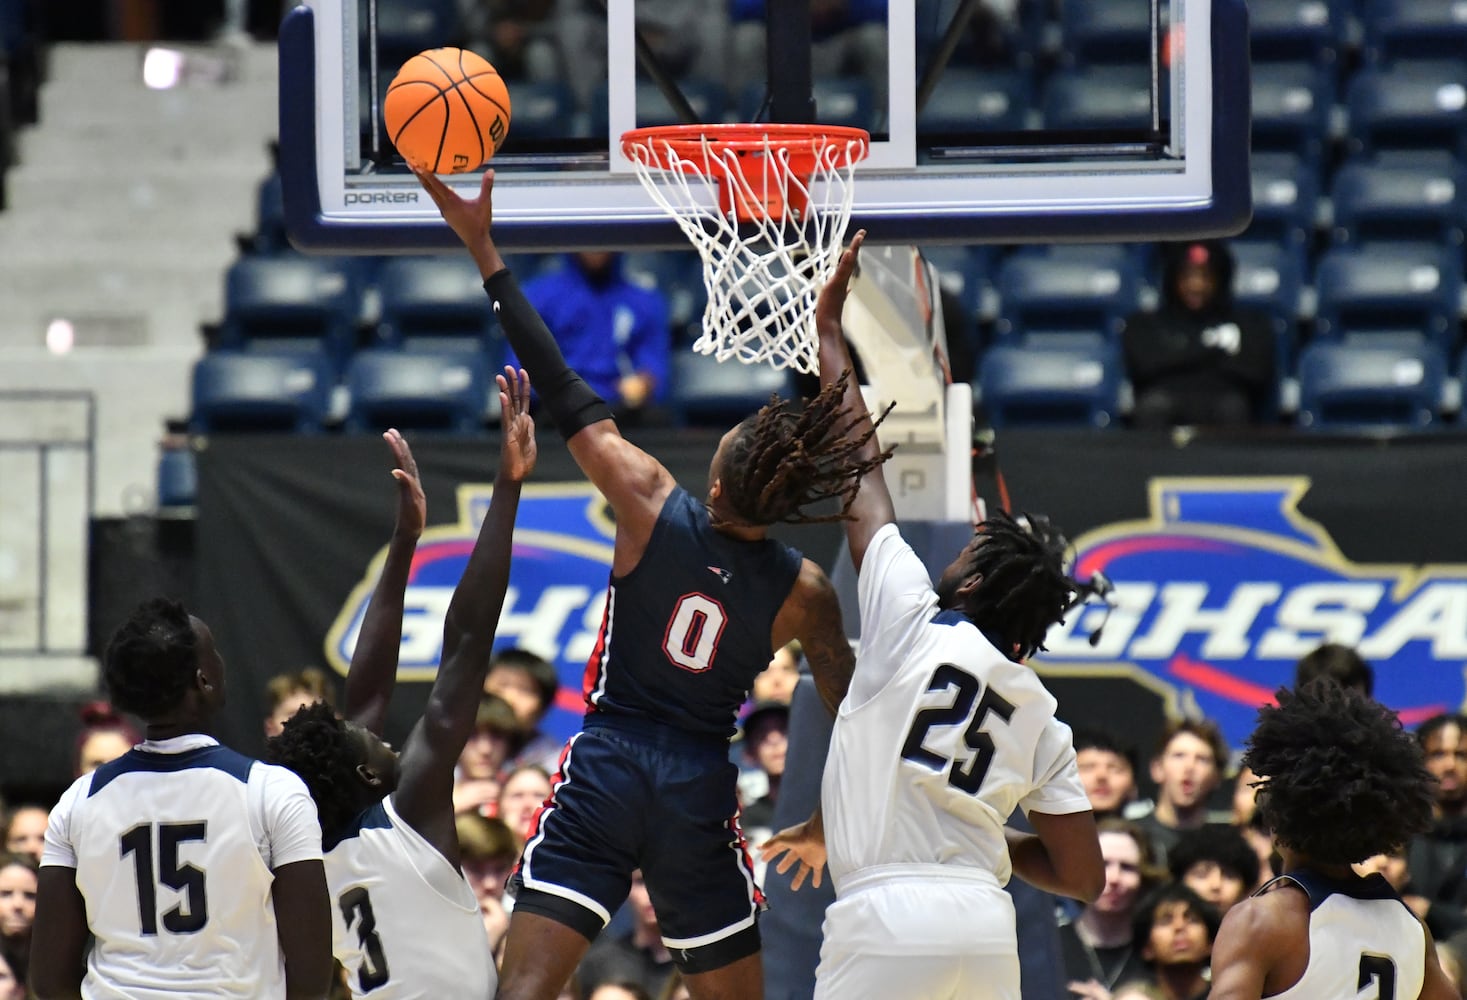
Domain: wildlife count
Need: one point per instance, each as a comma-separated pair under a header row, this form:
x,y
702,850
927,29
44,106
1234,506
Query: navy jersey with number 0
x,y
687,630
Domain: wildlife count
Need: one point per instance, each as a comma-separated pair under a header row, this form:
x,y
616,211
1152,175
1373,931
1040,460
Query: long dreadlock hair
x,y
1024,589
781,461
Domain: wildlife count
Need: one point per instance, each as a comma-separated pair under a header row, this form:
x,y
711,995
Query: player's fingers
x,y
800,875
524,381
815,878
486,186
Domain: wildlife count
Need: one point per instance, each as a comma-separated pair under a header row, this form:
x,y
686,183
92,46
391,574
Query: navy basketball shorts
x,y
629,794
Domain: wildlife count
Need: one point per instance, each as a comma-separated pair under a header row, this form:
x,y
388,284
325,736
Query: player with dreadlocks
x,y
700,597
405,922
1339,781
944,732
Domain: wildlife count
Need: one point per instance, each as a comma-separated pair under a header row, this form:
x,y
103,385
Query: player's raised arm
x,y
872,506
424,796
811,614
373,671
635,483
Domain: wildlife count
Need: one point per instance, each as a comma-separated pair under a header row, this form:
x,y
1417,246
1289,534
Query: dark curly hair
x,y
780,461
1024,589
1225,846
151,659
1339,779
1144,919
1338,663
318,746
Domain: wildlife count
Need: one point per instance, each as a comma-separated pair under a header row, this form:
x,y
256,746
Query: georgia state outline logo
x,y
563,543
1226,585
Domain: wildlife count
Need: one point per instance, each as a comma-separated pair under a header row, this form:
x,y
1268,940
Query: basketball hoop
x,y
766,206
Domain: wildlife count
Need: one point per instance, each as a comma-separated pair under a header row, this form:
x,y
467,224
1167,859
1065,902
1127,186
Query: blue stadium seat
x,y
261,392
1384,288
1100,97
1399,202
1106,32
1409,105
1291,106
1285,198
1347,387
963,272
422,390
708,392
706,96
407,27
541,110
178,478
844,100
1045,296
969,100
1269,277
678,275
1396,29
1076,385
1294,29
289,302
270,217
434,303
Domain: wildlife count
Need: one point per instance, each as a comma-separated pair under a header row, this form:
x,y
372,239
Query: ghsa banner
x,y
557,588
1222,589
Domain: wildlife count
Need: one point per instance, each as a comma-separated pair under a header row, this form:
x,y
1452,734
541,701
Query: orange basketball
x,y
447,110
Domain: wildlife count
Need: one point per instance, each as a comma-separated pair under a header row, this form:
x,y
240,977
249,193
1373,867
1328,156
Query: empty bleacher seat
x,y
234,391
1269,277
1358,386
1106,32
1076,385
1295,29
1396,29
290,302
969,100
270,234
709,392
1409,105
407,27
1399,201
1100,97
422,390
541,110
434,302
653,108
1042,296
1291,107
1285,198
1384,288
178,478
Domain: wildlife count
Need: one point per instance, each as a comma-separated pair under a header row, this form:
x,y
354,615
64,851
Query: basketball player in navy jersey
x,y
406,923
196,870
945,733
699,599
1339,781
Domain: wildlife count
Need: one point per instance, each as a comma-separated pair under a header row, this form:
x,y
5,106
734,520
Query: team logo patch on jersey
x,y
1226,585
557,588
722,574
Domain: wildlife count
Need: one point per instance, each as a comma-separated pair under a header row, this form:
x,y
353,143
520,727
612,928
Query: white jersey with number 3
x,y
940,738
404,922
174,844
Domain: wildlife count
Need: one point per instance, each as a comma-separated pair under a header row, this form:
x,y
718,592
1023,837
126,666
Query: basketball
x,y
448,110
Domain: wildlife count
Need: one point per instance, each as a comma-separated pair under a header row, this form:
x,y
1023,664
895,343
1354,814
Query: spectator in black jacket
x,y
1199,360
1437,859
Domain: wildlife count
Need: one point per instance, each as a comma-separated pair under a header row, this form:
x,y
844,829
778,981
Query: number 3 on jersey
x,y
967,778
693,632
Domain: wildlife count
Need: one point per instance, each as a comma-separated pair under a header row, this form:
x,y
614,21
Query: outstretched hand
x,y
832,300
412,504
517,450
470,218
803,843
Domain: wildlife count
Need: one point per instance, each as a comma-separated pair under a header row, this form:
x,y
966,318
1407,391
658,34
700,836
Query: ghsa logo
x,y
1226,585
557,590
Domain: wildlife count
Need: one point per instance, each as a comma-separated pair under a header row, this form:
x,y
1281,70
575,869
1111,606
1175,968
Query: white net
x,y
768,215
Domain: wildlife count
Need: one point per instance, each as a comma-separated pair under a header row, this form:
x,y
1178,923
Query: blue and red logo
x,y
1226,585
557,590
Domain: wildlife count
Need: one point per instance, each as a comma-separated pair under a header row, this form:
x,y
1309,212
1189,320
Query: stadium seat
x,y
261,392
678,276
1285,198
270,217
709,392
1410,29
1269,277
967,100
1077,385
421,390
1291,107
1399,202
178,478
1100,97
1043,296
844,100
1294,29
1364,386
542,110
1383,288
1094,32
289,302
706,97
1409,105
434,303
407,27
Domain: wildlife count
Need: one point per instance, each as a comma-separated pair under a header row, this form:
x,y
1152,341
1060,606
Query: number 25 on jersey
x,y
971,706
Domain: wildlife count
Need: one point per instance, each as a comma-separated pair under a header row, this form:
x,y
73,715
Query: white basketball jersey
x,y
1364,944
173,845
940,736
404,922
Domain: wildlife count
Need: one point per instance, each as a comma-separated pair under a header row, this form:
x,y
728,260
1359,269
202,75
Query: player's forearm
x,y
373,671
1032,863
486,256
473,611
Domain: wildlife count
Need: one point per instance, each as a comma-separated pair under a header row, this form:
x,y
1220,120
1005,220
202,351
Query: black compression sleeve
x,y
572,404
